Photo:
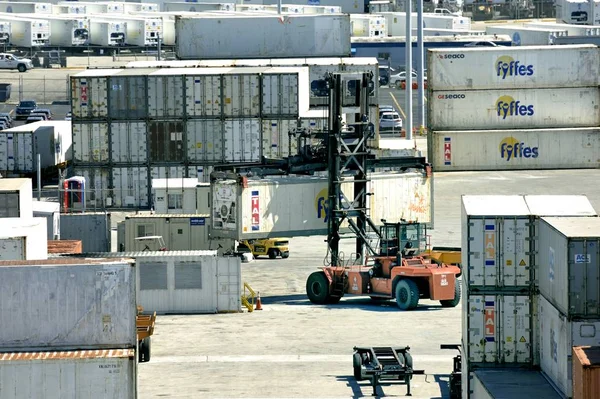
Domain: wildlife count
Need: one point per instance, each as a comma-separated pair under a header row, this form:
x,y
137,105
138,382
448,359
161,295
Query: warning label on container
x,y
522,339
522,263
509,262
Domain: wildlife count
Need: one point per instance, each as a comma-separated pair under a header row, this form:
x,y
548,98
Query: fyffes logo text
x,y
507,66
507,106
512,148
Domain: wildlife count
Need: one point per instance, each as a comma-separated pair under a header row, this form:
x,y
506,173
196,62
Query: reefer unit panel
x,y
569,264
93,229
498,329
130,187
23,239
68,304
108,373
128,142
241,140
514,109
558,336
204,140
203,96
513,68
265,36
166,96
89,97
33,7
241,95
515,149
90,143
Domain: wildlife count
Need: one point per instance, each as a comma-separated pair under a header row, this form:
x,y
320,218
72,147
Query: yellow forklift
x,y
271,247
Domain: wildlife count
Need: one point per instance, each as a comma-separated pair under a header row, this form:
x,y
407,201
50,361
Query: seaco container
x,y
67,304
569,265
513,67
586,372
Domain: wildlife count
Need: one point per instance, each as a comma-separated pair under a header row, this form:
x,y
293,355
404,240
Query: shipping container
x,y
180,232
572,29
242,140
97,193
27,32
109,7
205,140
516,149
277,138
50,211
68,304
90,143
197,7
107,32
525,36
127,96
514,109
347,6
496,242
513,383
569,265
558,335
289,206
499,329
89,95
92,228
173,196
23,239
203,94
16,198
167,172
265,36
586,372
574,12
128,142
108,373
513,67
368,25
281,93
130,187
166,96
33,7
68,30
241,94
144,7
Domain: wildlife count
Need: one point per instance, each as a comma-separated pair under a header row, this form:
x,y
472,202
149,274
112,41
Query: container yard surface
x,y
294,349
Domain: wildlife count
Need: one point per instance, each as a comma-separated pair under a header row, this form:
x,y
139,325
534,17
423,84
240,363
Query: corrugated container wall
x,y
23,239
514,109
57,375
97,185
90,143
569,265
558,335
513,68
515,149
525,36
128,142
93,229
16,198
16,152
89,96
586,372
130,187
67,304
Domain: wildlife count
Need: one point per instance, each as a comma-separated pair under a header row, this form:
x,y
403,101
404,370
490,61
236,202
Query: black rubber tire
x,y
21,68
407,294
272,254
140,351
451,303
356,363
144,348
333,300
317,288
285,256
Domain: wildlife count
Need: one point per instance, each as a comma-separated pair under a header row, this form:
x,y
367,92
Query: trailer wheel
x,y
144,349
357,362
407,294
451,303
317,288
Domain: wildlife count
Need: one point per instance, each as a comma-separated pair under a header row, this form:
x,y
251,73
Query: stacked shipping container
x,y
516,113
501,269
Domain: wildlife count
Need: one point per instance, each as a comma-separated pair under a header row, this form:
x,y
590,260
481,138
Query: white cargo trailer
x,y
68,304
108,7
33,7
569,272
198,7
347,6
514,109
69,30
513,67
368,25
105,32
27,32
572,30
265,36
15,198
140,31
558,335
23,239
525,36
110,373
517,149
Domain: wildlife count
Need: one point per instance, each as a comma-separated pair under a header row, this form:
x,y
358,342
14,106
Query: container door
x,y
165,96
12,248
280,95
90,142
205,140
128,142
203,96
584,275
241,96
180,239
242,140
228,284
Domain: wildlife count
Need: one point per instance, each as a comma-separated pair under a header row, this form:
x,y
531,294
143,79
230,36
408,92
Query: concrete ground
x,y
294,349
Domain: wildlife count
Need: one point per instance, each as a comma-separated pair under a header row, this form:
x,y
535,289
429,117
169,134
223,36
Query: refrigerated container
x,y
524,36
176,196
16,198
558,335
90,143
128,95
282,92
264,36
34,7
569,264
368,25
514,109
97,185
515,149
106,32
166,96
68,30
27,32
82,7
143,7
51,212
574,12
241,94
197,7
242,140
69,374
68,304
89,94
142,31
130,187
572,30
128,142
205,141
346,6
167,172
513,383
23,239
513,67
586,372
92,228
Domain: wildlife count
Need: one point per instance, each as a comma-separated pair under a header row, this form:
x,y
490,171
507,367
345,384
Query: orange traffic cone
x,y
258,303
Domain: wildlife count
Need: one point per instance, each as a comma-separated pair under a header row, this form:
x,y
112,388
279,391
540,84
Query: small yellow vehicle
x,y
271,247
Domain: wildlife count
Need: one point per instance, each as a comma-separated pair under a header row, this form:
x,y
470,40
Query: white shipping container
x,y
130,187
569,264
16,198
205,140
496,242
572,29
514,109
499,329
264,36
276,139
241,95
5,32
96,373
97,186
165,96
89,96
198,7
90,143
27,32
203,95
128,142
32,7
558,336
574,12
143,7
242,140
65,31
515,149
23,239
281,92
109,7
368,25
16,152
513,67
67,304
524,36
107,32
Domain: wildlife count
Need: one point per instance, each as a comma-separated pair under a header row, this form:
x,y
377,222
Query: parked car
x,y
68,116
24,109
3,125
11,61
385,108
4,116
483,43
399,78
35,118
390,121
38,114
44,111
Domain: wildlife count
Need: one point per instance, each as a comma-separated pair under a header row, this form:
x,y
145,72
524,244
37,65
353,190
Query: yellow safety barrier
x,y
248,298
